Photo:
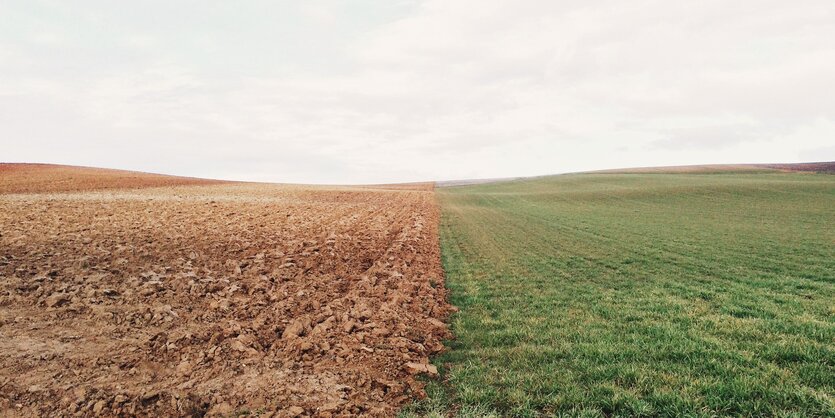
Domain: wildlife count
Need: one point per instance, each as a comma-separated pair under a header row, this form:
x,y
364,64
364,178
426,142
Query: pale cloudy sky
x,y
318,91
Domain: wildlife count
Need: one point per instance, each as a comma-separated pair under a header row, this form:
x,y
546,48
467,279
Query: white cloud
x,y
328,91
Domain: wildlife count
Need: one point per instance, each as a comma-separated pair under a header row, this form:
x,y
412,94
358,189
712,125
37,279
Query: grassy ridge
x,y
630,294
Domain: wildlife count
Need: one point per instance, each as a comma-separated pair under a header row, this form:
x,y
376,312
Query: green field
x,y
640,295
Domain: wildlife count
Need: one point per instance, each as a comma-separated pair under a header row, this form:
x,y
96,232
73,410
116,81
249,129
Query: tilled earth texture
x,y
43,178
220,299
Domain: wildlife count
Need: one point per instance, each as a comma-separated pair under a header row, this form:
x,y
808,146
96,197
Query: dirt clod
x,y
418,368
57,300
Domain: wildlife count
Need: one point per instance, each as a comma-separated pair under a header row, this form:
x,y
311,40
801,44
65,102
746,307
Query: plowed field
x,y
42,178
221,299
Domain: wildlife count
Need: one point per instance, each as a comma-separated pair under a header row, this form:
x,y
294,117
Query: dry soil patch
x,y
218,299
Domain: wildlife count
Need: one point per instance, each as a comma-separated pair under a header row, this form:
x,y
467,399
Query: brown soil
x,y
217,300
822,167
47,178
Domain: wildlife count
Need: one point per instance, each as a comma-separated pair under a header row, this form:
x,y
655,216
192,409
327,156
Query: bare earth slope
x,y
45,178
217,299
821,167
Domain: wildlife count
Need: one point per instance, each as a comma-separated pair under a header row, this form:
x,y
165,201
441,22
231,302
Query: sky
x,y
365,91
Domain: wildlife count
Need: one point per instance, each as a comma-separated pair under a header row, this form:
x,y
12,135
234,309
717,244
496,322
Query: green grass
x,y
640,295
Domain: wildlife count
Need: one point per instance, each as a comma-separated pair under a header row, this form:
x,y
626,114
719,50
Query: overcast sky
x,y
316,91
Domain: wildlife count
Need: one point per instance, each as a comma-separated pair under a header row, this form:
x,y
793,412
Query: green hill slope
x,y
640,295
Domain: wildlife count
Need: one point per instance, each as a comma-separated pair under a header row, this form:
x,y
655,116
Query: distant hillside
x,y
470,182
819,167
50,178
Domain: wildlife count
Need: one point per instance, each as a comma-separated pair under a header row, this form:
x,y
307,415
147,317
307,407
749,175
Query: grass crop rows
x,y
640,295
